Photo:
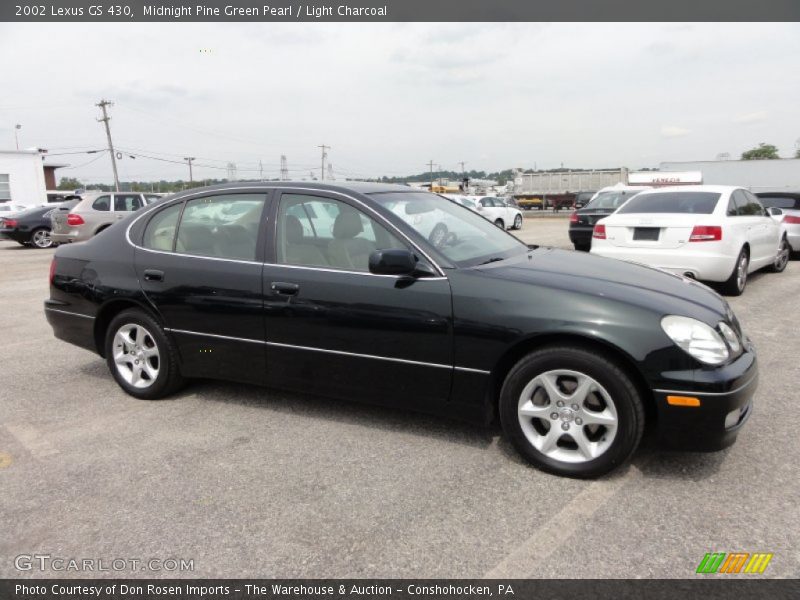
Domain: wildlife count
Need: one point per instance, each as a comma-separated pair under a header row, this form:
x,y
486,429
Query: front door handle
x,y
153,275
284,289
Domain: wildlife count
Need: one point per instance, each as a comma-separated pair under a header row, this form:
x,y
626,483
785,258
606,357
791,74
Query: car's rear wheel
x,y
141,357
583,247
500,224
40,238
518,222
571,412
735,284
782,257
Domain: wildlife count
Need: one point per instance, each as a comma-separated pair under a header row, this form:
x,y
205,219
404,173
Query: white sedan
x,y
711,233
496,210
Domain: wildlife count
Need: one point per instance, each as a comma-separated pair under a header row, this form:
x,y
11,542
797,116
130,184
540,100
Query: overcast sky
x,y
390,97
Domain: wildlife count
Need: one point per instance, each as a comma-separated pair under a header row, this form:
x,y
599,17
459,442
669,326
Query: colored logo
x,y
734,562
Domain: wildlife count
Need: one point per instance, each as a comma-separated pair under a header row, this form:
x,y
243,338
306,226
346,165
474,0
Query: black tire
x,y
782,257
500,224
40,238
734,286
169,379
610,375
518,222
583,247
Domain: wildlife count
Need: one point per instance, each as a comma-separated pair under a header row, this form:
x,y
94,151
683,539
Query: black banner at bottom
x,y
703,587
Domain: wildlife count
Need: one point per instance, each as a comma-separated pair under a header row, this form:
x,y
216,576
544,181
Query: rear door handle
x,y
153,275
285,289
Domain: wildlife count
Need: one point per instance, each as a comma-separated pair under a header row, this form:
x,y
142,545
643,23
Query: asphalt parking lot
x,y
248,482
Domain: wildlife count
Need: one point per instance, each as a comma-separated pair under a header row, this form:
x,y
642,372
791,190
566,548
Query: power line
x,y
103,104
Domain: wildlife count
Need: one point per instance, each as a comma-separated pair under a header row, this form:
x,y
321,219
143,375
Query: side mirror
x,y
392,261
774,211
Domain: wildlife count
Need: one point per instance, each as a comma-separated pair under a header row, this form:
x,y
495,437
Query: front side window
x,y
102,203
462,236
224,226
322,232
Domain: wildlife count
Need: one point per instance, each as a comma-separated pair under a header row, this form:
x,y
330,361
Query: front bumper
x,y
726,402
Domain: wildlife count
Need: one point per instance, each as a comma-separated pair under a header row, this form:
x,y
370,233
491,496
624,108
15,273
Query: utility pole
x,y
430,165
189,160
102,104
260,170
463,172
17,127
284,168
322,164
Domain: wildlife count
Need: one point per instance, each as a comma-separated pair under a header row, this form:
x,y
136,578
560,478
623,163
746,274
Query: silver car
x,y
94,213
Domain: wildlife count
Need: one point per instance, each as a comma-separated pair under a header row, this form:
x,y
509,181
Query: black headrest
x,y
347,225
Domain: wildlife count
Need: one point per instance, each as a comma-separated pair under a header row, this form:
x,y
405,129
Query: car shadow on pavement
x,y
350,412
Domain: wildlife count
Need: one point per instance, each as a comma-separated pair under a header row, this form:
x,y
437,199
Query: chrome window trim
x,y
328,351
682,392
148,208
67,312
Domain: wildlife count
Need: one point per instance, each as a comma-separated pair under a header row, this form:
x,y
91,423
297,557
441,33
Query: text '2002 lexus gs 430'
x,y
345,291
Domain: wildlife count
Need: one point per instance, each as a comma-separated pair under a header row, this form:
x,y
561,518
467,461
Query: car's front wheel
x,y
141,357
518,222
571,412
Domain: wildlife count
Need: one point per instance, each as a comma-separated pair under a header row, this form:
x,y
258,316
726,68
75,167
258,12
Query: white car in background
x,y
499,212
710,233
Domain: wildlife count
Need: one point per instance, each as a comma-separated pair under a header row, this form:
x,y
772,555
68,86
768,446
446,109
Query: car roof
x,y
361,187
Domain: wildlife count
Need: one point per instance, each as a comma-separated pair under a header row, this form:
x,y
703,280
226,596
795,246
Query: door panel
x,y
206,283
347,332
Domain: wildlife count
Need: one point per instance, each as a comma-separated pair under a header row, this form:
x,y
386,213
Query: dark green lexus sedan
x,y
386,294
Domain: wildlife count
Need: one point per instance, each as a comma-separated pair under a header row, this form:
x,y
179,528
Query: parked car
x,y
499,212
7,209
712,233
605,202
94,213
572,351
787,205
29,227
60,196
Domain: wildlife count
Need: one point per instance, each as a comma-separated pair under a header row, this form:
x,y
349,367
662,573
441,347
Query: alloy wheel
x,y
41,238
136,355
782,258
741,272
518,222
567,416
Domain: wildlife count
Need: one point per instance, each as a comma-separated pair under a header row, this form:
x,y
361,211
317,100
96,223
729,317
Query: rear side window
x,y
698,203
102,203
611,199
127,202
224,226
160,231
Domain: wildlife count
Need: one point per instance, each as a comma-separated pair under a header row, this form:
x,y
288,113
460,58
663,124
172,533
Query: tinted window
x,y
322,232
699,203
223,226
746,204
778,202
611,199
160,231
102,203
127,202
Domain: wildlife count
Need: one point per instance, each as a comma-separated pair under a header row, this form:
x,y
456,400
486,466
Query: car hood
x,y
628,282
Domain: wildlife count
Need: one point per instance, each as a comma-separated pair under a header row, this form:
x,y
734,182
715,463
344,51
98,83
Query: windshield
x,y
699,203
463,237
612,200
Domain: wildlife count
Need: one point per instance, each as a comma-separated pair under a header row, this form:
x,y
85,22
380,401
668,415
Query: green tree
x,y
69,183
761,152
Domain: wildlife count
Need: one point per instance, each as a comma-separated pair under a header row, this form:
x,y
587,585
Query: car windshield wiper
x,y
491,260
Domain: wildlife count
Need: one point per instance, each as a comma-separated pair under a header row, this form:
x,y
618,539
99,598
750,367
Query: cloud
x,y
671,131
753,117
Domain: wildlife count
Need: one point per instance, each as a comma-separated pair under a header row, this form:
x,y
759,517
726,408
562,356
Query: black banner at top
x,y
131,11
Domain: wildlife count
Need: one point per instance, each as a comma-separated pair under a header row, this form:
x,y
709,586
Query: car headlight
x,y
697,339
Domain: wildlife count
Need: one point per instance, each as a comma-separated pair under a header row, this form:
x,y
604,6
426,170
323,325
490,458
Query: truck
x,y
557,189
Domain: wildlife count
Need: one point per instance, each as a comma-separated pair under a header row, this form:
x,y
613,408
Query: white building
x,y
22,177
